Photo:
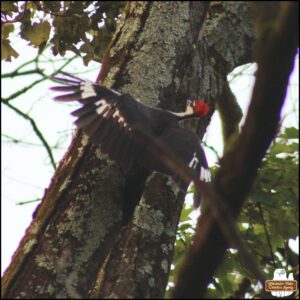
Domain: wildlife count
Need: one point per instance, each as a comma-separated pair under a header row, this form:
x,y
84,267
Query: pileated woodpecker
x,y
111,120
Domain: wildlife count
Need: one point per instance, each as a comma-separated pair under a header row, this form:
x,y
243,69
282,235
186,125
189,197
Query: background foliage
x,y
269,219
83,27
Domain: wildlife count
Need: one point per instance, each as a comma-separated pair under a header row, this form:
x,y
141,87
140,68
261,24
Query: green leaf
x,y
185,214
290,133
184,226
191,188
258,229
7,51
36,34
8,7
282,148
6,29
263,197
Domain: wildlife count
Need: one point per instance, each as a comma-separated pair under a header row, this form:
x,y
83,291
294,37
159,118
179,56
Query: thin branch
x,y
39,188
267,234
62,67
17,73
22,66
286,252
13,140
242,72
22,91
35,129
212,149
28,201
230,114
182,240
265,259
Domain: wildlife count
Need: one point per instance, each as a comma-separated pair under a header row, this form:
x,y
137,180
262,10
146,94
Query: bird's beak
x,y
189,103
189,109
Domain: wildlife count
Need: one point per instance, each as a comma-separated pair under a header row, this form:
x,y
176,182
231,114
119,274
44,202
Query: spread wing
x,y
109,118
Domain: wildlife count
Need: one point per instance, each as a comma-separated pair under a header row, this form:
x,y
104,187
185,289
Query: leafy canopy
x,y
83,27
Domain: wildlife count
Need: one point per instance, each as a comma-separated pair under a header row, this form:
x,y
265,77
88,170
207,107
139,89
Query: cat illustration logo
x,y
281,285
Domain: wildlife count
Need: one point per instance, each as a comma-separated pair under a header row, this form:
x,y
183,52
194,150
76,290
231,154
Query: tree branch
x,y
230,114
35,129
267,234
13,140
22,91
17,73
239,165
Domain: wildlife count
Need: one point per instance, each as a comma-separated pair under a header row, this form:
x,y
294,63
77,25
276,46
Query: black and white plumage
x,y
111,120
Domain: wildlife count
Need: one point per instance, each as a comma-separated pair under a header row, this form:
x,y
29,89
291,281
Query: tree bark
x,y
87,239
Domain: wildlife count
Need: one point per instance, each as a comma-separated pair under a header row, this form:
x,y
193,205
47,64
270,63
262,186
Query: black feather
x,y
68,97
68,81
86,120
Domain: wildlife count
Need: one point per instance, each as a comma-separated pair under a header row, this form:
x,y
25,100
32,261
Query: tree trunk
x,y
88,239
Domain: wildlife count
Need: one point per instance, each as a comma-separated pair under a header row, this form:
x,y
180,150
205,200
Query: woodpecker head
x,y
196,108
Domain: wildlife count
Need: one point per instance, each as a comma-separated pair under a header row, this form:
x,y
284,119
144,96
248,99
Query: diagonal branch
x,y
239,166
267,234
23,90
18,73
35,129
13,140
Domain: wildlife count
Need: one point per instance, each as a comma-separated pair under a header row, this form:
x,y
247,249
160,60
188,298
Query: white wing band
x,y
205,175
